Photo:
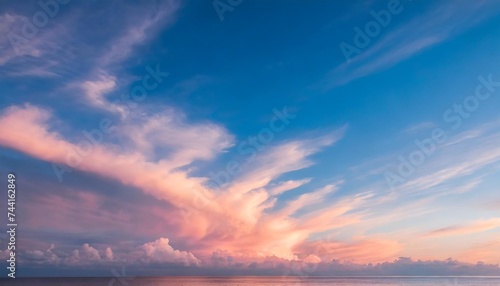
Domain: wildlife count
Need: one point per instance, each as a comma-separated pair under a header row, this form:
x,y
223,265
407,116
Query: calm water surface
x,y
247,281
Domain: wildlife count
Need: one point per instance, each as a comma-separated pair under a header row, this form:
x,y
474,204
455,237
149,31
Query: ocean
x,y
247,281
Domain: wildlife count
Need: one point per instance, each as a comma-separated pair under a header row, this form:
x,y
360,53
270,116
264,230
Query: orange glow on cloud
x,y
236,219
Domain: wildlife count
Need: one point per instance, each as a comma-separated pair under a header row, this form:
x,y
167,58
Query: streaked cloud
x,y
440,23
473,227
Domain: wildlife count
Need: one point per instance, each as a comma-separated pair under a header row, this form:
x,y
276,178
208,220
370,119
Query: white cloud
x,y
160,251
139,31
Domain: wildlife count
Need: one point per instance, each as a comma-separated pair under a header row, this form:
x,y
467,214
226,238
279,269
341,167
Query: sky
x,y
252,137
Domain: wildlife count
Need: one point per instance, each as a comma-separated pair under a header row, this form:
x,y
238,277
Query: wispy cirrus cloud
x,y
140,28
441,22
473,227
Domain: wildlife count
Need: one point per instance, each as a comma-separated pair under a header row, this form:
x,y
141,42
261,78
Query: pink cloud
x,y
95,91
241,219
160,251
357,251
473,227
108,254
85,255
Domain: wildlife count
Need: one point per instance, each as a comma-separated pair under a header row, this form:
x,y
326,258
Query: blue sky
x,y
314,186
